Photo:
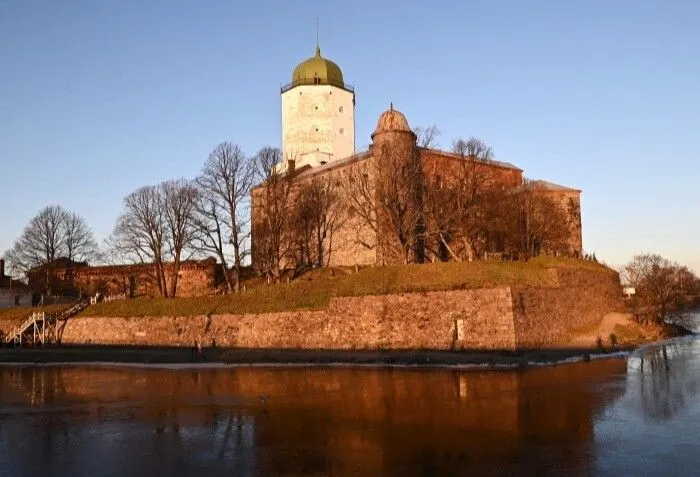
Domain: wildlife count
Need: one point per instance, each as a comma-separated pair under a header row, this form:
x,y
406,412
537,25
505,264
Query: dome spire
x,y
318,48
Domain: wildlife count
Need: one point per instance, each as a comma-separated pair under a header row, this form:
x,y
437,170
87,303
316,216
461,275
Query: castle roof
x,y
492,162
334,164
317,70
392,120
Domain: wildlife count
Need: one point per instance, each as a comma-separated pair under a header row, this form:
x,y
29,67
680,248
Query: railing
x,y
16,334
43,325
338,84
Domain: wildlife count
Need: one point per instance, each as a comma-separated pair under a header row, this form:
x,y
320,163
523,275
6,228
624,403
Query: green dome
x,y
318,70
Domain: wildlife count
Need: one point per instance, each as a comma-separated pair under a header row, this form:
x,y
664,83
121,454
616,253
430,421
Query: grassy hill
x,y
315,289
11,317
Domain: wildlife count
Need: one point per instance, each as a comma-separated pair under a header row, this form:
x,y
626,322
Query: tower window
x,y
340,109
316,129
316,108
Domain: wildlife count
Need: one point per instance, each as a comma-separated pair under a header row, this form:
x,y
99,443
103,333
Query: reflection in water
x,y
665,377
606,417
270,421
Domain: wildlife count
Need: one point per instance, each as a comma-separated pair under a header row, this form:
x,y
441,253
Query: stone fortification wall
x,y
490,318
408,321
546,316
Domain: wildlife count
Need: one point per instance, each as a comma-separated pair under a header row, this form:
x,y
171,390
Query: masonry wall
x,y
491,318
408,321
546,316
195,278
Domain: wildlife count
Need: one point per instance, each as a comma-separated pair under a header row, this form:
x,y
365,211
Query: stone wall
x,y
548,316
407,321
195,278
490,318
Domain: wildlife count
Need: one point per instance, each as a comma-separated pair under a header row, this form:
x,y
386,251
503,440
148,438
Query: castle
x,y
397,202
325,204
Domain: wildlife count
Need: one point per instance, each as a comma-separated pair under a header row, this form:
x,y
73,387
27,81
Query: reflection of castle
x,y
319,421
318,133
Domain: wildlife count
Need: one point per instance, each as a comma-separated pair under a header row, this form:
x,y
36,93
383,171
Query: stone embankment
x,y
504,317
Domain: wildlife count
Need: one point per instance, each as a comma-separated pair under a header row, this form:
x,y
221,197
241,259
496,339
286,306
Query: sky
x,y
98,98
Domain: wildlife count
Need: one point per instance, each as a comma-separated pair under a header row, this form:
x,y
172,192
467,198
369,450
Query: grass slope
x,y
315,289
11,317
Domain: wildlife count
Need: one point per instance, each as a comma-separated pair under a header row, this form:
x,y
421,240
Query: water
x,y
635,416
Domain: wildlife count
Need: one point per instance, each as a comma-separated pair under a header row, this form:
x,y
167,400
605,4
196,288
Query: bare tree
x,y
178,201
270,224
141,232
53,233
155,227
78,239
427,136
541,223
221,217
472,148
386,193
458,205
658,282
318,215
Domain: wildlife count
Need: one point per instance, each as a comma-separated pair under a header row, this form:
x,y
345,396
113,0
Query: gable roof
x,y
333,164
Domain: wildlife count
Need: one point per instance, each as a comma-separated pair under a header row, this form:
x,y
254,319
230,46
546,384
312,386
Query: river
x,y
638,415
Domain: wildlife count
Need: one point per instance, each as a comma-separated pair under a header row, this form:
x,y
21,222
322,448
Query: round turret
x,y
318,70
394,121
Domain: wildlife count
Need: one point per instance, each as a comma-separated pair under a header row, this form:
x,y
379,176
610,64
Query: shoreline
x,y
230,357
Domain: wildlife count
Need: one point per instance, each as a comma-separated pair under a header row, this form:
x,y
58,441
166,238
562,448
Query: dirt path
x,y
605,328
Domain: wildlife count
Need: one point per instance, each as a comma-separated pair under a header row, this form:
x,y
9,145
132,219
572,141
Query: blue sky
x,y
100,97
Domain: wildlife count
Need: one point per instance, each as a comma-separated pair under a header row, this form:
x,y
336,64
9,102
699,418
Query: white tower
x,y
318,114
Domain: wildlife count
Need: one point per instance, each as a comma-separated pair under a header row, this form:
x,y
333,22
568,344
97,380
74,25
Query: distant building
x,y
69,278
13,292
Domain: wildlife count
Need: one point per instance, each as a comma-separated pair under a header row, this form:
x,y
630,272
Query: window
x,y
342,130
316,108
340,109
316,129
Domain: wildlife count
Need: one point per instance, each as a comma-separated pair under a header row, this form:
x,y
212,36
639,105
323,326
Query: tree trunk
x,y
174,279
236,264
449,249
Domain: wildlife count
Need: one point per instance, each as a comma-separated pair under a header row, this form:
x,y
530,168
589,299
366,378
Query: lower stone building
x,y
66,277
